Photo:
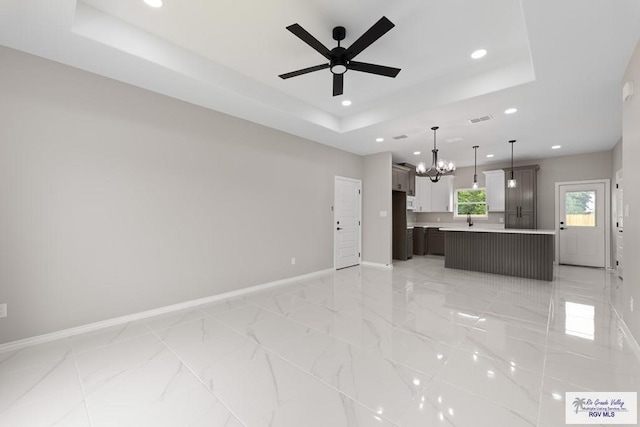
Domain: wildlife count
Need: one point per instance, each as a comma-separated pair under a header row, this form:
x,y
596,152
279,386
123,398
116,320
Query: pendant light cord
x,y
475,160
511,142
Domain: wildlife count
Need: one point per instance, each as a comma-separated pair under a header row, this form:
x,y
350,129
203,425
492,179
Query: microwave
x,y
411,203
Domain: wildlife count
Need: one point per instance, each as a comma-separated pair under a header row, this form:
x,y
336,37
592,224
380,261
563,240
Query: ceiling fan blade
x,y
303,71
338,83
310,40
380,70
378,29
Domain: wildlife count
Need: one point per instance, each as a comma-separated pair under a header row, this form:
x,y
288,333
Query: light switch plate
x,y
383,214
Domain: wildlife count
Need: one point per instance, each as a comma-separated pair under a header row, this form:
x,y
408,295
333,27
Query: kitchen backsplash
x,y
412,217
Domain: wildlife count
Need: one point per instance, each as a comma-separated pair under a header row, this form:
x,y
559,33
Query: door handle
x,y
339,228
562,228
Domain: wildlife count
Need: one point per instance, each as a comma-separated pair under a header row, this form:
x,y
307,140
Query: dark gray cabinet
x,y
435,241
399,224
419,241
400,179
520,202
409,243
411,185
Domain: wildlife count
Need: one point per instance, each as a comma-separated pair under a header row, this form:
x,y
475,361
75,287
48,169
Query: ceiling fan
x,y
341,59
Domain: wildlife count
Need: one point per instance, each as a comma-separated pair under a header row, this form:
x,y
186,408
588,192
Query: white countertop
x,y
457,224
499,230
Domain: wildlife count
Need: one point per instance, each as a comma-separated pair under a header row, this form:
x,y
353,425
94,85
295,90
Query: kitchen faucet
x,y
469,220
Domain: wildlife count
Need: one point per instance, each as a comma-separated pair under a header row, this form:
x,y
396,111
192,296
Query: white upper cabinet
x,y
442,194
423,194
495,190
434,196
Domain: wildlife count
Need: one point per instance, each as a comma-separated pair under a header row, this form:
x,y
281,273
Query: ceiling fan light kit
x,y
341,59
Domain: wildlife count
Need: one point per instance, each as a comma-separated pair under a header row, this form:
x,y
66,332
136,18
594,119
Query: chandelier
x,y
438,167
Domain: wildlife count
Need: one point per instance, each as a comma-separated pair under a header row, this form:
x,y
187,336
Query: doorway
x,y
582,214
347,222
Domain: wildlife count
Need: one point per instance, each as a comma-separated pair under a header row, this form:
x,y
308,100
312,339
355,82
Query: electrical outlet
x,y
293,261
3,310
501,220
438,219
630,304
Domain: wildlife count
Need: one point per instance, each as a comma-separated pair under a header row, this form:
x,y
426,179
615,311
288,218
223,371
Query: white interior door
x,y
582,224
347,222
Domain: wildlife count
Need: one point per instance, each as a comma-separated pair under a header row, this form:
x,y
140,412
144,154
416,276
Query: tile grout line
x,y
546,349
313,376
84,395
198,378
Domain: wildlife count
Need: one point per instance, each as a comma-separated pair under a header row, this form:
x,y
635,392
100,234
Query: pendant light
x,y
438,167
475,167
512,182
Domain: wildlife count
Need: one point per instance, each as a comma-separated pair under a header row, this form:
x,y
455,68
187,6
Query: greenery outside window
x,y
470,201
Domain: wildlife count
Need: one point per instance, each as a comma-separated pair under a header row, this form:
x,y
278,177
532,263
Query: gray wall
x,y
562,169
116,200
552,170
631,156
377,231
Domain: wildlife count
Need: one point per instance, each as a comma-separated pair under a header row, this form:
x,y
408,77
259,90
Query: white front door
x,y
582,224
347,222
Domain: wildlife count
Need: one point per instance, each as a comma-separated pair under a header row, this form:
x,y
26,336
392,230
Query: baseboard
x,y
377,265
65,333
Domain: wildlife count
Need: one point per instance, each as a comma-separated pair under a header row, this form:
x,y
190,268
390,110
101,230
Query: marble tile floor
x,y
419,345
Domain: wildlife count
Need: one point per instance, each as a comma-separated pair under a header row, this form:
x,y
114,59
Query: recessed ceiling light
x,y
154,3
416,153
346,103
555,147
511,110
489,155
478,53
379,139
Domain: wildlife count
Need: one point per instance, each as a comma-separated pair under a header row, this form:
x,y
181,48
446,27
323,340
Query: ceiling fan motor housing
x,y
338,60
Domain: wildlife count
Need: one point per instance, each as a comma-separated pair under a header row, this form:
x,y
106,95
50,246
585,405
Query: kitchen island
x,y
510,252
